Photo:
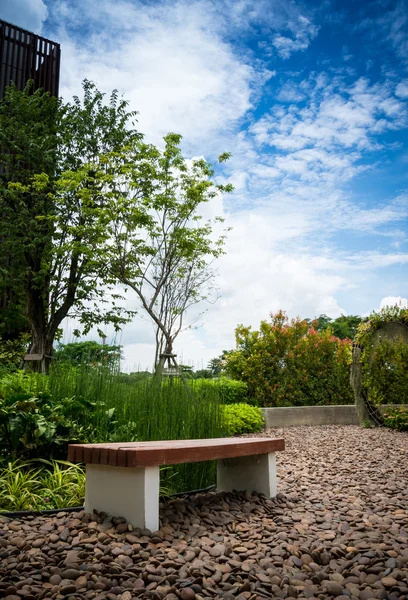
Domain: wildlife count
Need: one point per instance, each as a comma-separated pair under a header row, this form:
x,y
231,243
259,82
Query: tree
x,y
89,353
54,217
161,248
342,327
346,326
215,365
203,374
28,141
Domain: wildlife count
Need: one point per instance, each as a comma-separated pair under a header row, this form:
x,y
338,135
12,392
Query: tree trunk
x,y
42,341
42,345
164,357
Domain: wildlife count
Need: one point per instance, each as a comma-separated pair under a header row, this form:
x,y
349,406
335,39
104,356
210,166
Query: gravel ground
x,y
338,529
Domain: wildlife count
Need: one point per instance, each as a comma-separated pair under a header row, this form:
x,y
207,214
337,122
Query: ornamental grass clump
x,y
40,485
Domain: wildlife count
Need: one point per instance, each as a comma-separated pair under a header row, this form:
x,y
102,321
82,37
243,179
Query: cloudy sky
x,y
310,97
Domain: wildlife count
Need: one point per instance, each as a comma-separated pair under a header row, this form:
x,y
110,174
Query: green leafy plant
x,y
397,418
389,314
12,352
242,418
385,373
37,426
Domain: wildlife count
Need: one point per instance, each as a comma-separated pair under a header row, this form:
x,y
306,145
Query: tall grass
x,y
146,410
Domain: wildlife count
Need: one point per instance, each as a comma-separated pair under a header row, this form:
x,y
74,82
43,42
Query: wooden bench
x,y
123,479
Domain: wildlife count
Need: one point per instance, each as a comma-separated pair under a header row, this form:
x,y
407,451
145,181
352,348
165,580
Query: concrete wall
x,y
289,416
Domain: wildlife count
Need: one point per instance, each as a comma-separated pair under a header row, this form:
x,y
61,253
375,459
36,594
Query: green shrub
x,y
397,418
290,363
242,418
41,426
230,391
385,373
22,382
12,353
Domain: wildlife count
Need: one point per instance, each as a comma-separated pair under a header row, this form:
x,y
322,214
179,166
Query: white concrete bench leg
x,y
129,492
252,473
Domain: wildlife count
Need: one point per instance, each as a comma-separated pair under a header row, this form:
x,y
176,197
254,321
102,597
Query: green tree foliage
x,y
53,215
12,352
89,353
380,361
162,249
385,373
215,365
29,124
230,391
290,363
203,374
343,327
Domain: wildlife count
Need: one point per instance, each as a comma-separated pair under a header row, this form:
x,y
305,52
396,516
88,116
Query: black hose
x,y
54,511
51,511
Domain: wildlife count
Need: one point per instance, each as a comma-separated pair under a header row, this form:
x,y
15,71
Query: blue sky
x,y
310,97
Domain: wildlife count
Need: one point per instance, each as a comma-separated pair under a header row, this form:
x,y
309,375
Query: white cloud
x,y
402,89
290,92
172,66
339,116
28,14
303,32
394,301
396,21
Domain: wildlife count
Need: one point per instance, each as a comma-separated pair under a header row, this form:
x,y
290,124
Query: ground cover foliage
x,y
40,485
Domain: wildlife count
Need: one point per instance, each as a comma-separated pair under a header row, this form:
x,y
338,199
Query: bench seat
x,y
122,479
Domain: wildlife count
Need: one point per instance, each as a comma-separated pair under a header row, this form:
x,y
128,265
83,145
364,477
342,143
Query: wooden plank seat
x,y
123,479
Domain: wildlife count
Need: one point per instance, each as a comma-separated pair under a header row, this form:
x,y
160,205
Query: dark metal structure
x,y
24,56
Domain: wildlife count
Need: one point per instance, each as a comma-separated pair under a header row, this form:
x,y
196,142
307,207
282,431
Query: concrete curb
x,y
290,416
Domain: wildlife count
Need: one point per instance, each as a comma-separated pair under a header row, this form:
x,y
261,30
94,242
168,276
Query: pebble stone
x,y
337,529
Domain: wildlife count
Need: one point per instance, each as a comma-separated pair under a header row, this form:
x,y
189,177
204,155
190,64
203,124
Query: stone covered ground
x,y
338,529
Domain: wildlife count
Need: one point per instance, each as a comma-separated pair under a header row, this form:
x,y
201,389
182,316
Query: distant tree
x,y
203,374
342,327
346,326
321,323
215,366
88,353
